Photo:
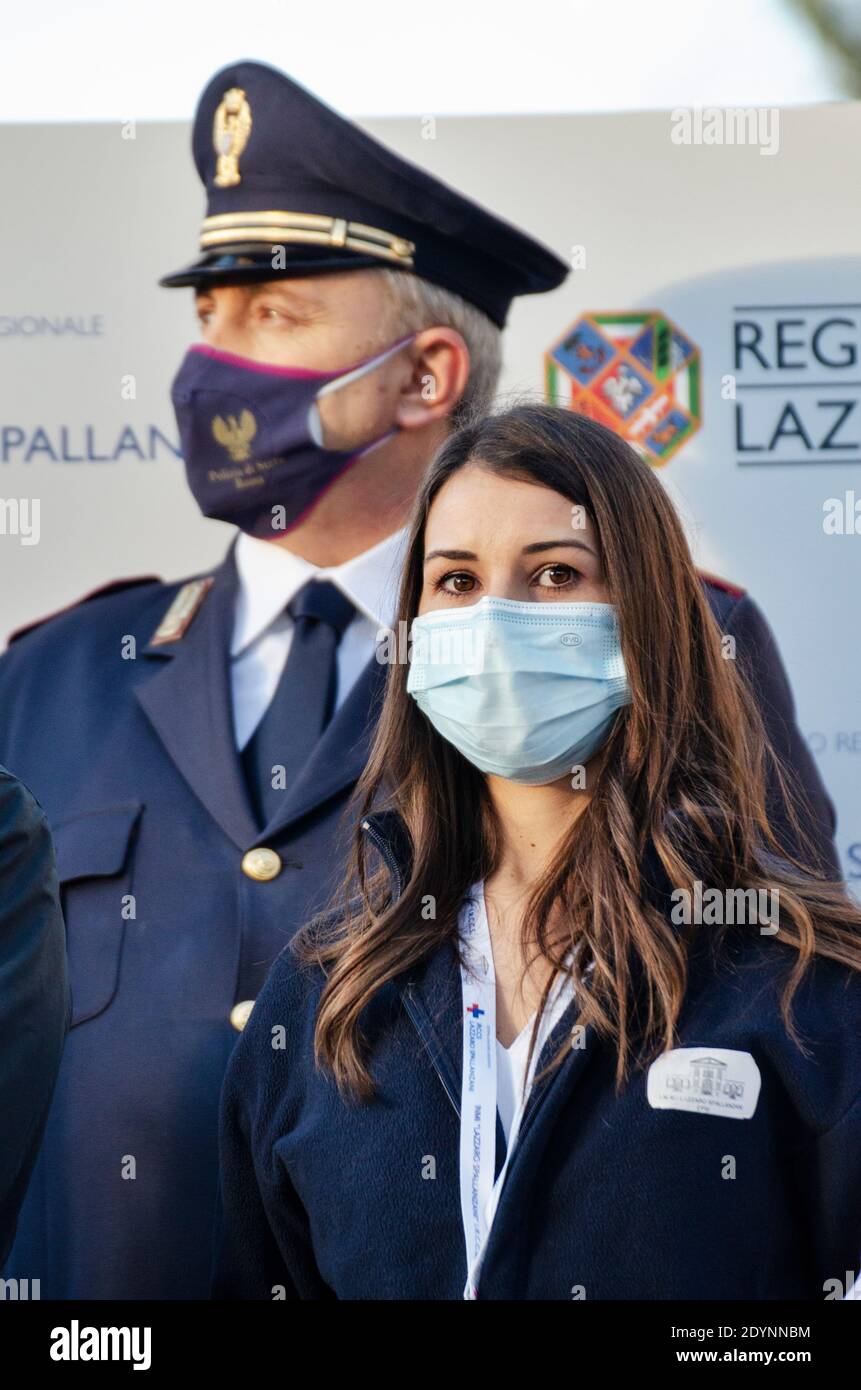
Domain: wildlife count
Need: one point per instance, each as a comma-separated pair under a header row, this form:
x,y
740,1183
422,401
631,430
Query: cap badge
x,y
235,435
231,128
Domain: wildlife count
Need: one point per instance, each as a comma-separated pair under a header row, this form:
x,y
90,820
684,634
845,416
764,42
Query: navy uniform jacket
x,y
605,1197
135,764
34,994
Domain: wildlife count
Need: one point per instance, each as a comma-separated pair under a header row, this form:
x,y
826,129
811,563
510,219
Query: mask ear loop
x,y
315,427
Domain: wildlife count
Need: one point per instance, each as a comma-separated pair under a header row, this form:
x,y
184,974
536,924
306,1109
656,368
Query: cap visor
x,y
249,267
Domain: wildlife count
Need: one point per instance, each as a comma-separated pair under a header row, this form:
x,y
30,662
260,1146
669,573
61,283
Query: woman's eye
x,y
557,576
456,583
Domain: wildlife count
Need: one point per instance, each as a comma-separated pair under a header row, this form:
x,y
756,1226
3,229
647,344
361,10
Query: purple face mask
x,y
252,439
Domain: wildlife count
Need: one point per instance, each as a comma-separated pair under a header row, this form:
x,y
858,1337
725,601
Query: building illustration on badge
x,y
705,1076
705,1080
635,372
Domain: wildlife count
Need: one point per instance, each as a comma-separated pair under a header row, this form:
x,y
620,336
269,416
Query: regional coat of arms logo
x,y
635,372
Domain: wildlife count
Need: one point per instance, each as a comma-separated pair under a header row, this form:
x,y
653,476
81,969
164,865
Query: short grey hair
x,y
418,304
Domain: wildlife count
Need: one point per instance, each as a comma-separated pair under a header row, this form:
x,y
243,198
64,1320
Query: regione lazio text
x,y
430,712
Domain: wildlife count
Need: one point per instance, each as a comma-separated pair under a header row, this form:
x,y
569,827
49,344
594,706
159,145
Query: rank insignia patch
x,y
178,617
637,373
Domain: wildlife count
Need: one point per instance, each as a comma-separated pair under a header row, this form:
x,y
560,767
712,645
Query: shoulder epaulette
x,y
115,586
726,585
182,610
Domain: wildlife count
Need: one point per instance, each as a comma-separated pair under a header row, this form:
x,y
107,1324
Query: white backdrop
x,y
725,240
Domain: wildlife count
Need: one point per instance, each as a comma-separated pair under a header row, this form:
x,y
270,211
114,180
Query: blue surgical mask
x,y
527,691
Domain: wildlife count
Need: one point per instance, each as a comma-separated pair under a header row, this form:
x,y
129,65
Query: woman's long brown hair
x,y
683,775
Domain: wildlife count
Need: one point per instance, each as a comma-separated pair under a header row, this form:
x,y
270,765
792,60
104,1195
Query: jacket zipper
x,y
537,1096
386,855
414,1013
419,1019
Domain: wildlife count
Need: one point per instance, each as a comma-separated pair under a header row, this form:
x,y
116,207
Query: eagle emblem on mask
x,y
235,435
231,128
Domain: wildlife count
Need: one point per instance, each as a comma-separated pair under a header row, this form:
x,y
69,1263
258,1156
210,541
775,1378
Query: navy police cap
x,y
282,169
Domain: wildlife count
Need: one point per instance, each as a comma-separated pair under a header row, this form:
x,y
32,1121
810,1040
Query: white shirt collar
x,y
270,575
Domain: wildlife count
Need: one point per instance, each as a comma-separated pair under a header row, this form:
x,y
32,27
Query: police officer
x,y
351,308
34,995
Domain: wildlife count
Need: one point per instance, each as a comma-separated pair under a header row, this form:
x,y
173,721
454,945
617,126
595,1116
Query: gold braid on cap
x,y
276,228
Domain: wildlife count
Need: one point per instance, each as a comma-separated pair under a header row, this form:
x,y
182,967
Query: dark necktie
x,y
304,698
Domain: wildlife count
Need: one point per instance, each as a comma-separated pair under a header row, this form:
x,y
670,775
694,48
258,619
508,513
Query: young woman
x,y
579,1029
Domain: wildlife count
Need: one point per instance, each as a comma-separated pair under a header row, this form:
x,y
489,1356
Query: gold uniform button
x,y
261,864
240,1014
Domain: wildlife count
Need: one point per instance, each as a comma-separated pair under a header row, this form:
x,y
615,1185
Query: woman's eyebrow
x,y
535,548
450,555
538,546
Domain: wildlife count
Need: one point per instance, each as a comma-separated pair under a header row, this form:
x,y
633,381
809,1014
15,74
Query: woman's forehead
x,y
477,504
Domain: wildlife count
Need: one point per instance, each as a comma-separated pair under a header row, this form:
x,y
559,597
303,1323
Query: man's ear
x,y
439,359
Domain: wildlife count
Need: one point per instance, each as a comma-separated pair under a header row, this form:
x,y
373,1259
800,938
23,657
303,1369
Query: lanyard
x,y
479,1194
478,1083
